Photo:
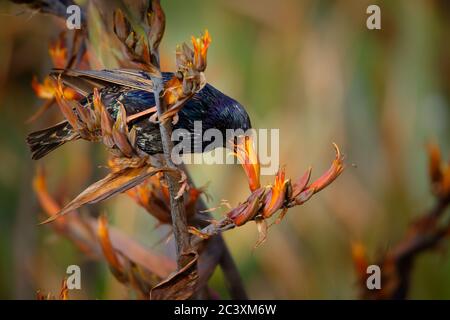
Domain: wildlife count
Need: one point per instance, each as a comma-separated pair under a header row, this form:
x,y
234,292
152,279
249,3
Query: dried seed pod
x,y
156,21
120,132
65,107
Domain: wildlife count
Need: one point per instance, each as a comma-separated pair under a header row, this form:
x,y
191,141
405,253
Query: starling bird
x,y
214,109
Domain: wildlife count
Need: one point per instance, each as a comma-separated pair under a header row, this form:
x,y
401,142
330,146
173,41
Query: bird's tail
x,y
44,141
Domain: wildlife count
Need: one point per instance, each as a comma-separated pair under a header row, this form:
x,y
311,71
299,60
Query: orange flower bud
x,y
58,53
201,49
276,196
47,89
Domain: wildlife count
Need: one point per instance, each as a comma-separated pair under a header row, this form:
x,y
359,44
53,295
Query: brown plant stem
x,y
177,208
418,239
425,233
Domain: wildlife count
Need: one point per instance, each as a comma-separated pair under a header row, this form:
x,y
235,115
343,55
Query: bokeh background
x,y
311,69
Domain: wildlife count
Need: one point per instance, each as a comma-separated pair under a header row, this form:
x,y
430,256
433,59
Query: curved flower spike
x,y
265,201
248,157
331,174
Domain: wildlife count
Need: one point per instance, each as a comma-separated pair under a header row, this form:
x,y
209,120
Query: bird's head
x,y
216,112
229,116
223,112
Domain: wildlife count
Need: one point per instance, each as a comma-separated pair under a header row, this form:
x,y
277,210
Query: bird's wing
x,y
85,80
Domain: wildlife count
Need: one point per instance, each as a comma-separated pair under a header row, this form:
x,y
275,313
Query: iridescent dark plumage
x,y
214,109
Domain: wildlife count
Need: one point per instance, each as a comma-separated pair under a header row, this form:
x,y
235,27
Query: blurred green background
x,y
311,69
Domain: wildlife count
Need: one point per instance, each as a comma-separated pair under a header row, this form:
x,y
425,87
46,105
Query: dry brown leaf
x,y
179,286
113,183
